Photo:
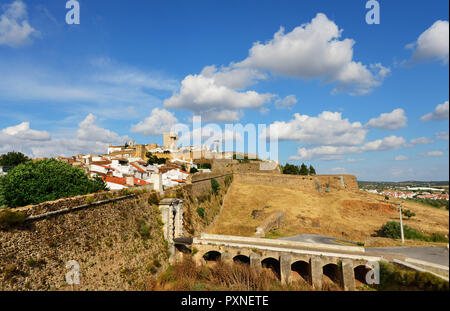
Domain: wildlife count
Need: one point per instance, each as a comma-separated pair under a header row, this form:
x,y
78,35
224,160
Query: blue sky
x,y
344,96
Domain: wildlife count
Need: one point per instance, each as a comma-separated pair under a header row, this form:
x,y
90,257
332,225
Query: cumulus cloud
x,y
421,140
214,94
315,50
440,113
401,158
15,31
90,138
387,143
286,103
442,135
328,128
89,131
159,122
337,152
389,121
23,132
432,44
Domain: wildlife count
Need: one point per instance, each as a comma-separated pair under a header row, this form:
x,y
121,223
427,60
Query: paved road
x,y
315,238
438,255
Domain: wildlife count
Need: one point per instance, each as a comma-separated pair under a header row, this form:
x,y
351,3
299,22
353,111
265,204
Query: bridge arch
x,y
361,273
332,271
273,265
212,256
241,259
303,269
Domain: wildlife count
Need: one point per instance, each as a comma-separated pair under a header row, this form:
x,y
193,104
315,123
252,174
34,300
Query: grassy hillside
x,y
348,215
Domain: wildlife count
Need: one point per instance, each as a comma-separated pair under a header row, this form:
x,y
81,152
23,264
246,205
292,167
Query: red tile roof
x,y
138,168
108,167
123,180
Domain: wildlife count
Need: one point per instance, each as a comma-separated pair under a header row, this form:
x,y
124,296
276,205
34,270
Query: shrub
x,y
392,230
201,211
408,213
46,180
9,218
215,186
193,170
144,228
153,199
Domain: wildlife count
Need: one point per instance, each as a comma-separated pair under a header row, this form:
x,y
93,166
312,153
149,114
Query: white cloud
x,y
337,152
387,143
328,128
432,44
435,153
15,31
89,131
23,132
90,138
286,103
314,50
389,121
421,140
214,94
440,113
442,135
160,121
325,152
401,158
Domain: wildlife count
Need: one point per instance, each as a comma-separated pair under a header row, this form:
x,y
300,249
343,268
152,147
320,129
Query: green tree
x,y
304,170
13,159
312,170
152,159
291,169
46,180
215,186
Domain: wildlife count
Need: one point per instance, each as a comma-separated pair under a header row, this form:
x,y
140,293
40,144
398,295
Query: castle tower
x,y
170,141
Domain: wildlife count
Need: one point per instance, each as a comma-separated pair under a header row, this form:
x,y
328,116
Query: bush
x,y
201,212
215,186
392,230
153,199
9,218
193,170
408,213
205,165
46,180
144,228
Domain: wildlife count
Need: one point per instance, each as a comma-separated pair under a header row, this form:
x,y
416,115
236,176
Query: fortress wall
x,y
106,241
305,183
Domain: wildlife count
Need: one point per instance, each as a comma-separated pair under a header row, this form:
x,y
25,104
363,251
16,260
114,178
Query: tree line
x,y
291,169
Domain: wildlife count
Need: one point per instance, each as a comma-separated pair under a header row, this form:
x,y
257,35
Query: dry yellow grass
x,y
342,214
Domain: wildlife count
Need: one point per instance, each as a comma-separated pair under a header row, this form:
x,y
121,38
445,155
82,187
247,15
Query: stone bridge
x,y
342,264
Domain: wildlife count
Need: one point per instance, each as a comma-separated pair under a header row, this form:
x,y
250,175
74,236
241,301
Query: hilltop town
x,y
153,166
